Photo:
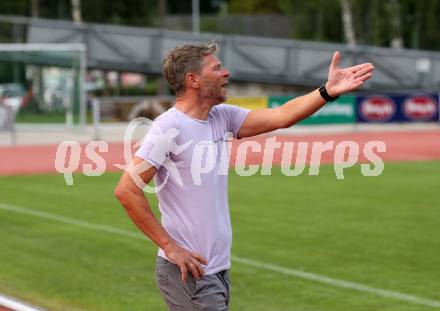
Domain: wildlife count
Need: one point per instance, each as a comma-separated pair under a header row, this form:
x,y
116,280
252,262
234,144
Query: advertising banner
x,y
249,102
341,111
382,108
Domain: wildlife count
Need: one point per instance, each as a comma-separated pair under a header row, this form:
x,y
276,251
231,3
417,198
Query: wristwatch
x,y
325,95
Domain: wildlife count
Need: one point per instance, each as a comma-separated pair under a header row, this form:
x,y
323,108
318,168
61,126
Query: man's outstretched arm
x,y
129,192
340,81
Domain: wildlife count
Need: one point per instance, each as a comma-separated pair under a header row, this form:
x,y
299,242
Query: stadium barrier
x,y
257,102
350,109
384,108
341,111
360,108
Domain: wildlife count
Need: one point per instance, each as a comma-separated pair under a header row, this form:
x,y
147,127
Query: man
x,y
195,231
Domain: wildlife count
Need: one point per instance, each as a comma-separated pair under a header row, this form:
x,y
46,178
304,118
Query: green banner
x,y
341,111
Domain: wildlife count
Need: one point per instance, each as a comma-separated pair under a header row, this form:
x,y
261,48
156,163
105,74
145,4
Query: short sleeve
x,y
158,143
235,117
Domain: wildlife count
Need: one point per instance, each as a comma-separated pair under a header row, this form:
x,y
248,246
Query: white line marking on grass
x,y
15,305
253,263
339,283
69,221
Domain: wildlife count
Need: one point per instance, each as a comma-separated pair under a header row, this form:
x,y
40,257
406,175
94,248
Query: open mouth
x,y
225,84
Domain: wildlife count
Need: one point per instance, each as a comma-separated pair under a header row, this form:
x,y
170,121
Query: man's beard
x,y
213,92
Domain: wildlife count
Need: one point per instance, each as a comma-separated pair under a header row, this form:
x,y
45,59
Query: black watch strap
x,y
325,95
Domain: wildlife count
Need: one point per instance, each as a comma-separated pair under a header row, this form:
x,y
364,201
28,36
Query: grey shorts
x,y
210,293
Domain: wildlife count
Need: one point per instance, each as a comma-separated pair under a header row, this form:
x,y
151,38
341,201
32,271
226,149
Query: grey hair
x,y
183,60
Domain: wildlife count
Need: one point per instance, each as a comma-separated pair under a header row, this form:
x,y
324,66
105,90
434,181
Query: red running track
x,y
419,145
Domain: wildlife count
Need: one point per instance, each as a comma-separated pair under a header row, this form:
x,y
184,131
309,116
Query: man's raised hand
x,y
344,80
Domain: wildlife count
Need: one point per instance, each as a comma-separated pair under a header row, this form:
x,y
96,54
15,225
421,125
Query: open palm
x,y
343,80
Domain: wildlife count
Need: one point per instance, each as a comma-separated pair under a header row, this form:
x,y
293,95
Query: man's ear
x,y
192,81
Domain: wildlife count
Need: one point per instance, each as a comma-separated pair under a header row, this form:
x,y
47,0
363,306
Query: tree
x,y
35,6
395,15
314,19
76,11
347,19
398,23
429,33
253,7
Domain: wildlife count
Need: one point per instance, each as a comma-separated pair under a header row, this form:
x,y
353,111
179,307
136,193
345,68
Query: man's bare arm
x,y
340,81
269,119
130,194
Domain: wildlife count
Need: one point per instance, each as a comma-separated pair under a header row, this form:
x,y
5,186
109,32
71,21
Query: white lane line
x,y
250,262
14,304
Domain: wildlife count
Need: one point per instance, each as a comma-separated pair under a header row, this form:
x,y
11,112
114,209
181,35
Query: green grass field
x,y
383,232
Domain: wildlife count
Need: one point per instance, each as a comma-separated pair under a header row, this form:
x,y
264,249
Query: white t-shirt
x,y
192,160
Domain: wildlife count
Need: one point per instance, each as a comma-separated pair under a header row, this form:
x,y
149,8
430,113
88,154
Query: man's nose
x,y
226,73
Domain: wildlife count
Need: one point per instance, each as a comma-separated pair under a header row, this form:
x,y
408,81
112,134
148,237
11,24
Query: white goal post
x,y
70,57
